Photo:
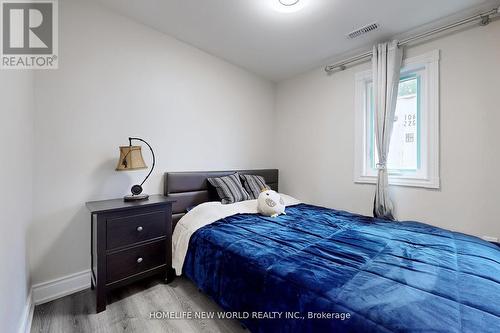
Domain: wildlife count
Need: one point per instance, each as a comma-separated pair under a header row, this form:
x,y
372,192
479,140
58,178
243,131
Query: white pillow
x,y
270,203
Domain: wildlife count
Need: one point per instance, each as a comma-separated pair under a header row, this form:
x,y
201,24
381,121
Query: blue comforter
x,y
330,265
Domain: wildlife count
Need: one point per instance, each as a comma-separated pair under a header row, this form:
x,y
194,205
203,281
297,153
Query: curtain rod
x,y
483,18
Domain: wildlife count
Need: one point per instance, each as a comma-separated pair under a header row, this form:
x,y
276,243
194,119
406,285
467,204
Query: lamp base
x,y
137,197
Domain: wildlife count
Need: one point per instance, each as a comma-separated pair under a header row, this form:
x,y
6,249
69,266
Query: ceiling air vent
x,y
363,30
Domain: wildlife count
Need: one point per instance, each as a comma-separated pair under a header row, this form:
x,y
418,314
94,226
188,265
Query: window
x,y
414,149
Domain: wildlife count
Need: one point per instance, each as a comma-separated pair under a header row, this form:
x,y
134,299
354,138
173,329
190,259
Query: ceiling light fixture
x,y
288,2
286,6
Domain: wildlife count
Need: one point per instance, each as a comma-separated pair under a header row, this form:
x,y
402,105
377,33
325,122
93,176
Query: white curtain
x,y
386,64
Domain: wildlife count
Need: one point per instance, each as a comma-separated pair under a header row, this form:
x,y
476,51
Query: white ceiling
x,y
259,36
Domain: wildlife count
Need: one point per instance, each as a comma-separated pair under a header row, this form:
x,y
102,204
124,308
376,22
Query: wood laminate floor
x,y
129,310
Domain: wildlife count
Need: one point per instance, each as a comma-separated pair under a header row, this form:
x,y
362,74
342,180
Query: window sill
x,y
400,181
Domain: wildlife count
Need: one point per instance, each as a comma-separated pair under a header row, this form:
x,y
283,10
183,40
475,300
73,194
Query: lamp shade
x,y
130,159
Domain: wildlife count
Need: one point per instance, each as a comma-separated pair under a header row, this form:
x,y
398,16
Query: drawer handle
x,y
139,229
139,260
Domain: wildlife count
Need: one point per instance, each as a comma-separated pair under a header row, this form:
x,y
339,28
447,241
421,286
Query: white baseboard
x,y
27,316
57,288
50,290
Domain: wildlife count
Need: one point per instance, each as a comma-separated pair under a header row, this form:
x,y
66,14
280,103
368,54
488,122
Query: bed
x,y
322,270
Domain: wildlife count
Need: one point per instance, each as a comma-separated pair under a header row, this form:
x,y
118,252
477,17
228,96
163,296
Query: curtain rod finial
x,y
485,20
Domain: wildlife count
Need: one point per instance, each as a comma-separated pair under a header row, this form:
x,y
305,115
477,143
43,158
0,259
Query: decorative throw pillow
x,y
254,184
229,188
270,203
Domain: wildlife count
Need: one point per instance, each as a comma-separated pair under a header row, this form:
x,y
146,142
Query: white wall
x,y
16,170
315,130
119,79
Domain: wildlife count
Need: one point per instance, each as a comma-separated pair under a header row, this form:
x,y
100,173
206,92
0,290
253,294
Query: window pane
x,y
405,140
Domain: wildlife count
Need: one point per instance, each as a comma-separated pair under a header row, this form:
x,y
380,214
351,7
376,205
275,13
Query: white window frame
x,y
428,65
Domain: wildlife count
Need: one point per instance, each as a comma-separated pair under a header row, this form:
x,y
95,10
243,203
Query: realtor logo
x,y
29,34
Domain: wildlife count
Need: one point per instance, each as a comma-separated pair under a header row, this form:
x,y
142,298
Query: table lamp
x,y
131,159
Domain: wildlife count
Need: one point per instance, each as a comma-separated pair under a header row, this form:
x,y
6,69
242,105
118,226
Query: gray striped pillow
x,y
254,184
229,188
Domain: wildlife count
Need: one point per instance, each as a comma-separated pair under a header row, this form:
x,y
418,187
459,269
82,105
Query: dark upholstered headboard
x,y
192,188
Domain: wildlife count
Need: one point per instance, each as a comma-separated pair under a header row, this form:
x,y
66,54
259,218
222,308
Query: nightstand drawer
x,y
135,260
130,229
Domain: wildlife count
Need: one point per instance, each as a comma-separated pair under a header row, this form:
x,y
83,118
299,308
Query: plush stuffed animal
x,y
270,203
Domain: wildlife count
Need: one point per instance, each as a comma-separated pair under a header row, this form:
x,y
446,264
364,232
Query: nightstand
x,y
129,241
